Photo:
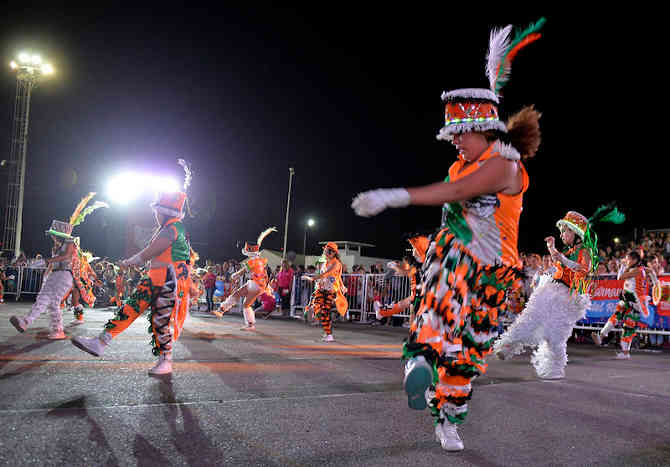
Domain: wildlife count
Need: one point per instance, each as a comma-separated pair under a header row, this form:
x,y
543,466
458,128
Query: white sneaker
x,y
552,376
328,338
93,345
56,335
597,338
622,356
19,323
164,365
447,435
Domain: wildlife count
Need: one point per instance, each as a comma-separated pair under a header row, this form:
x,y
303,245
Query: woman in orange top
x,y
329,290
254,287
472,260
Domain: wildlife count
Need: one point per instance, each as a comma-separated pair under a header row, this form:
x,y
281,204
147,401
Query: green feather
x,y
614,217
532,28
607,213
518,37
89,210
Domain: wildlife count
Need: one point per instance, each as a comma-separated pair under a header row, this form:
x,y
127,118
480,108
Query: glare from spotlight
x,y
47,69
13,65
36,59
616,240
127,187
24,57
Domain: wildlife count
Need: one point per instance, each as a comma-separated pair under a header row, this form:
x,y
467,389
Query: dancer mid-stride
x,y
559,301
59,279
632,303
168,255
329,290
254,287
472,260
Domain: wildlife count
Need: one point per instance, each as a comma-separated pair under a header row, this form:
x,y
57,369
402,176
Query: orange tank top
x,y
258,273
489,224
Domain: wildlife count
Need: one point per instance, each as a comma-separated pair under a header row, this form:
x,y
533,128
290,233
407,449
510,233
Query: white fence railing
x,y
361,291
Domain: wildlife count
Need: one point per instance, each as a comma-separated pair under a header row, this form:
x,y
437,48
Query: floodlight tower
x,y
29,69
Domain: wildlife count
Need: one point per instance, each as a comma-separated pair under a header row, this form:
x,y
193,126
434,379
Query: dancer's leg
x,y
248,311
323,303
141,299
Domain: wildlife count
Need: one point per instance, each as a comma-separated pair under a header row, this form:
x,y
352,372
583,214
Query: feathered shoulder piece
x,y
264,234
502,51
81,211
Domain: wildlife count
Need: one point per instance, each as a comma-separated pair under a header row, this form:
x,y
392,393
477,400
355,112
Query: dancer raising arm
x,y
255,286
559,301
472,259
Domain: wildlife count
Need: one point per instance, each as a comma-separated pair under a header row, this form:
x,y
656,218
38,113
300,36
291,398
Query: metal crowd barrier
x,y
361,290
27,281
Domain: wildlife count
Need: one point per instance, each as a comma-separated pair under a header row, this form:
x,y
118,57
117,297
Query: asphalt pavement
x,y
281,397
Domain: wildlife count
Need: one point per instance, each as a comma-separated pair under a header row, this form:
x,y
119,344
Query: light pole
x,y
29,69
288,207
310,223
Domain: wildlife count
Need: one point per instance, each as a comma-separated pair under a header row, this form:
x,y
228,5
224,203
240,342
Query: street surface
x,y
281,397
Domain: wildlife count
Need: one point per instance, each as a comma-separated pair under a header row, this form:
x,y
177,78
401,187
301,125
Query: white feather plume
x,y
498,47
187,173
264,234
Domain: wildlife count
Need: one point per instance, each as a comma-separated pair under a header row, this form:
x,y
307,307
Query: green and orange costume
x,y
158,290
471,263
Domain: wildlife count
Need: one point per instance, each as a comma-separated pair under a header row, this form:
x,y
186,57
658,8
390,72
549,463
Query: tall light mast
x,y
29,69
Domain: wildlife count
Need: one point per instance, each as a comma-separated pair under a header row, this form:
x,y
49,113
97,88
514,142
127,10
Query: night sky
x,y
349,97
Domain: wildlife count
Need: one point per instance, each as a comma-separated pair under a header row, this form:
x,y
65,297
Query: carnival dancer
x,y
84,278
168,254
119,286
632,303
410,268
254,287
59,279
329,290
559,301
472,260
57,283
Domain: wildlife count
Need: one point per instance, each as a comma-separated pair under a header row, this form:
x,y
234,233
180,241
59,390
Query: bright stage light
x,y
24,57
310,222
36,59
13,65
47,69
163,184
126,187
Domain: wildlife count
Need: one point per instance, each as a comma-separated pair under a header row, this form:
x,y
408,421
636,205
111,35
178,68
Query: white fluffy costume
x,y
546,324
559,301
57,284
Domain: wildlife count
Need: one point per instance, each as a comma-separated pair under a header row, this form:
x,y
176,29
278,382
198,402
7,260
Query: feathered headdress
x,y
81,211
476,109
253,249
502,52
175,204
583,227
264,234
